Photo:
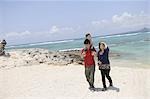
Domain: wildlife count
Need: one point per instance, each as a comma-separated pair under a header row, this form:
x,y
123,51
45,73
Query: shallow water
x,y
133,46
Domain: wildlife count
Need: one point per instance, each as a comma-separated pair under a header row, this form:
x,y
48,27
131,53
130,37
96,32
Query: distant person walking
x,y
2,47
3,42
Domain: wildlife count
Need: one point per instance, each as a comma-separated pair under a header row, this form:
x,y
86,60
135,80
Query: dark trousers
x,y
105,73
89,73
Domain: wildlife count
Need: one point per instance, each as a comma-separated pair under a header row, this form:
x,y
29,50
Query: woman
x,y
104,64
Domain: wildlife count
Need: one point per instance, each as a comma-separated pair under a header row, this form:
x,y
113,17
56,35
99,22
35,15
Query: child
x,y
104,64
89,37
89,63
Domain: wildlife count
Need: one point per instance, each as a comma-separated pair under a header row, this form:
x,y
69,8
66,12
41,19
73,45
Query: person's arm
x,y
83,53
106,54
98,57
93,48
107,51
94,53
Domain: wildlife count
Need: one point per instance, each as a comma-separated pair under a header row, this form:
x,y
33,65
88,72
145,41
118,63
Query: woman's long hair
x,y
100,45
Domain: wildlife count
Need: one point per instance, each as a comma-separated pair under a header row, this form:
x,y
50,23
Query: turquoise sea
x,y
131,46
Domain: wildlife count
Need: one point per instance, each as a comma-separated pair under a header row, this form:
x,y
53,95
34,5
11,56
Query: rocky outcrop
x,y
28,57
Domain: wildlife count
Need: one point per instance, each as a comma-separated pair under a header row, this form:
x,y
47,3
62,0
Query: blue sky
x,y
36,21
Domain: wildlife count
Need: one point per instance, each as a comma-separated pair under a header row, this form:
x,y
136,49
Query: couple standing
x,y
88,54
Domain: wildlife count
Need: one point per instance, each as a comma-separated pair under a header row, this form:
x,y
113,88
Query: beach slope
x,y
49,81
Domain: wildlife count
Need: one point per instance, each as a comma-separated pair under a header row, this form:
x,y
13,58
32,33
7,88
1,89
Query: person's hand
x,y
99,62
83,53
93,53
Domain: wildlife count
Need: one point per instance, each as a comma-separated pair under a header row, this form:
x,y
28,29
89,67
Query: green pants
x,y
89,73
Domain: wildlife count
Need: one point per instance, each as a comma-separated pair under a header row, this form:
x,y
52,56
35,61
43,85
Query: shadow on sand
x,y
109,88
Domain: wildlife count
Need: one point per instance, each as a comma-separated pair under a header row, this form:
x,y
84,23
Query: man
x,y
89,63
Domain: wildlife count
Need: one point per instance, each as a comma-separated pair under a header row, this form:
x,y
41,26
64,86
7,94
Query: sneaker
x,y
92,88
104,89
111,85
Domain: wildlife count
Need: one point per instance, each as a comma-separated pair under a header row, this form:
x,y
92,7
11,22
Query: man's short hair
x,y
87,41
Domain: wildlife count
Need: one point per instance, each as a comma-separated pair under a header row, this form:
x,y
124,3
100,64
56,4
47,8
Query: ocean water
x,y
131,46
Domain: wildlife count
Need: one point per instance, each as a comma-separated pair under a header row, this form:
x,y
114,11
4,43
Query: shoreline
x,y
19,80
37,56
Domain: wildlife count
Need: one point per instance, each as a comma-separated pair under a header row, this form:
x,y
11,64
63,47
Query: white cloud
x,y
55,30
17,37
127,19
117,23
67,29
124,20
55,33
16,34
99,22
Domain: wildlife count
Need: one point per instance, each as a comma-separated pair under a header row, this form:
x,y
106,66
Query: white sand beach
x,y
47,81
44,45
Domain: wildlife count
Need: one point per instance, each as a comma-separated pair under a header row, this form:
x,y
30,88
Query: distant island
x,y
145,29
141,30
